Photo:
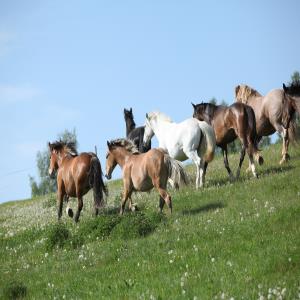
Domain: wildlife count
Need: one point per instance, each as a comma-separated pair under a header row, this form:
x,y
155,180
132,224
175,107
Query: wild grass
x,y
236,240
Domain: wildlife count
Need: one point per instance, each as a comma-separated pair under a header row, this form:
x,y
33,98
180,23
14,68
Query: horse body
x,y
237,120
134,133
273,112
142,171
190,139
76,175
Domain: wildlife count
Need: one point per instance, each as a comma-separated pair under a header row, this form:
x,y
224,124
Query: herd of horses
x,y
250,118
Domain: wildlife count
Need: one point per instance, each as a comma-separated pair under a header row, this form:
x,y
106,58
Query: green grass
x,y
239,240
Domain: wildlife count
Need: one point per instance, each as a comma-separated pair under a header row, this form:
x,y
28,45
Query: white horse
x,y
190,139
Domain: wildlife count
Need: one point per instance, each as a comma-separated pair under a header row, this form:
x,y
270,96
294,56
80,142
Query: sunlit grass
x,y
229,240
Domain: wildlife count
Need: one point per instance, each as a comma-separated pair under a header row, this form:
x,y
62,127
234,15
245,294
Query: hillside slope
x,y
236,240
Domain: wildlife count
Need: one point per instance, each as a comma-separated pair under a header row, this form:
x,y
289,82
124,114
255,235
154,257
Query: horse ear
x,y
108,144
50,146
147,117
194,105
131,109
284,87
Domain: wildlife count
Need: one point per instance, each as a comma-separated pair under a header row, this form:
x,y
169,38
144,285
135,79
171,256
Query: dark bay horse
x,y
230,122
143,171
273,112
135,134
76,175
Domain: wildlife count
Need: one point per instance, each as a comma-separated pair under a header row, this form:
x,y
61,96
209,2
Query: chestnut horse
x,y
143,171
76,175
273,112
135,134
236,120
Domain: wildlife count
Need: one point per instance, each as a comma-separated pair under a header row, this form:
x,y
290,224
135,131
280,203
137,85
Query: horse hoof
x,y
70,212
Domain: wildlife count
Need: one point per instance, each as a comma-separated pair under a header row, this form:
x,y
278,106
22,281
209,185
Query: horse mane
x,y
160,115
68,147
294,88
243,92
126,144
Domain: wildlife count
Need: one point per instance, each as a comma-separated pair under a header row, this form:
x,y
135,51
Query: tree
x,y
295,78
48,185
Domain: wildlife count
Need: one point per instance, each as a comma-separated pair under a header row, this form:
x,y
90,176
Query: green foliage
x,y
15,290
295,77
57,236
135,225
48,185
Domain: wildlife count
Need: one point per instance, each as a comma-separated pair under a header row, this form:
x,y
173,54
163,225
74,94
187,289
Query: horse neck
x,y
121,155
161,129
130,125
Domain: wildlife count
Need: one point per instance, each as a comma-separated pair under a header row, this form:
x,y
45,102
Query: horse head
x,y
54,158
110,160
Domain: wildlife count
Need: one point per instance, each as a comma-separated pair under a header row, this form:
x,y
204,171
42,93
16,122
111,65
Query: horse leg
x,y
224,150
164,195
204,170
132,206
193,155
242,156
79,208
60,197
252,165
69,210
285,145
161,203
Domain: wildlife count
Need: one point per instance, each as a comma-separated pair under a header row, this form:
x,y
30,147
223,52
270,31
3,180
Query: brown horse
x,y
273,112
143,171
76,175
236,120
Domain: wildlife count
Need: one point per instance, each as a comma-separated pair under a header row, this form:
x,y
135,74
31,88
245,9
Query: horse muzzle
x,y
51,173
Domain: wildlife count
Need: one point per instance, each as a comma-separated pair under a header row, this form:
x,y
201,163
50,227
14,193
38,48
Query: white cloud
x,y
13,94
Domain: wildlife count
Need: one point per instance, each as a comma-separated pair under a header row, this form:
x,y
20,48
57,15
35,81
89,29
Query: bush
x,y
15,290
58,235
136,225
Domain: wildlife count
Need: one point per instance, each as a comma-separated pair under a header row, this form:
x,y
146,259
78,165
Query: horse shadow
x,y
204,208
276,169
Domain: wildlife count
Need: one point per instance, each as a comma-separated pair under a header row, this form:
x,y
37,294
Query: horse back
x,y
74,173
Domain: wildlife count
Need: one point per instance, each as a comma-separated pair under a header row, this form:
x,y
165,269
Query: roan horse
x,y
273,112
190,139
236,120
76,175
143,171
135,134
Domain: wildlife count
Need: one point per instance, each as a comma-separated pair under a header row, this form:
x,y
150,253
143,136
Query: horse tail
x,y
176,172
294,130
253,138
207,141
96,181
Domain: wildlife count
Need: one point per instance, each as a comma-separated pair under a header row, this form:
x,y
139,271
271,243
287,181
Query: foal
x,y
135,133
236,120
143,171
76,175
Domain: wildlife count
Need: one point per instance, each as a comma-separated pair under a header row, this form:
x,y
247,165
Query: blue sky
x,y
77,64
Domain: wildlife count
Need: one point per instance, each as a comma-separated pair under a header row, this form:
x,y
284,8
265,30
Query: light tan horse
x,y
76,175
143,171
273,112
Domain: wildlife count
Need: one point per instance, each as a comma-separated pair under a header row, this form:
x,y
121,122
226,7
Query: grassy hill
x,y
236,240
